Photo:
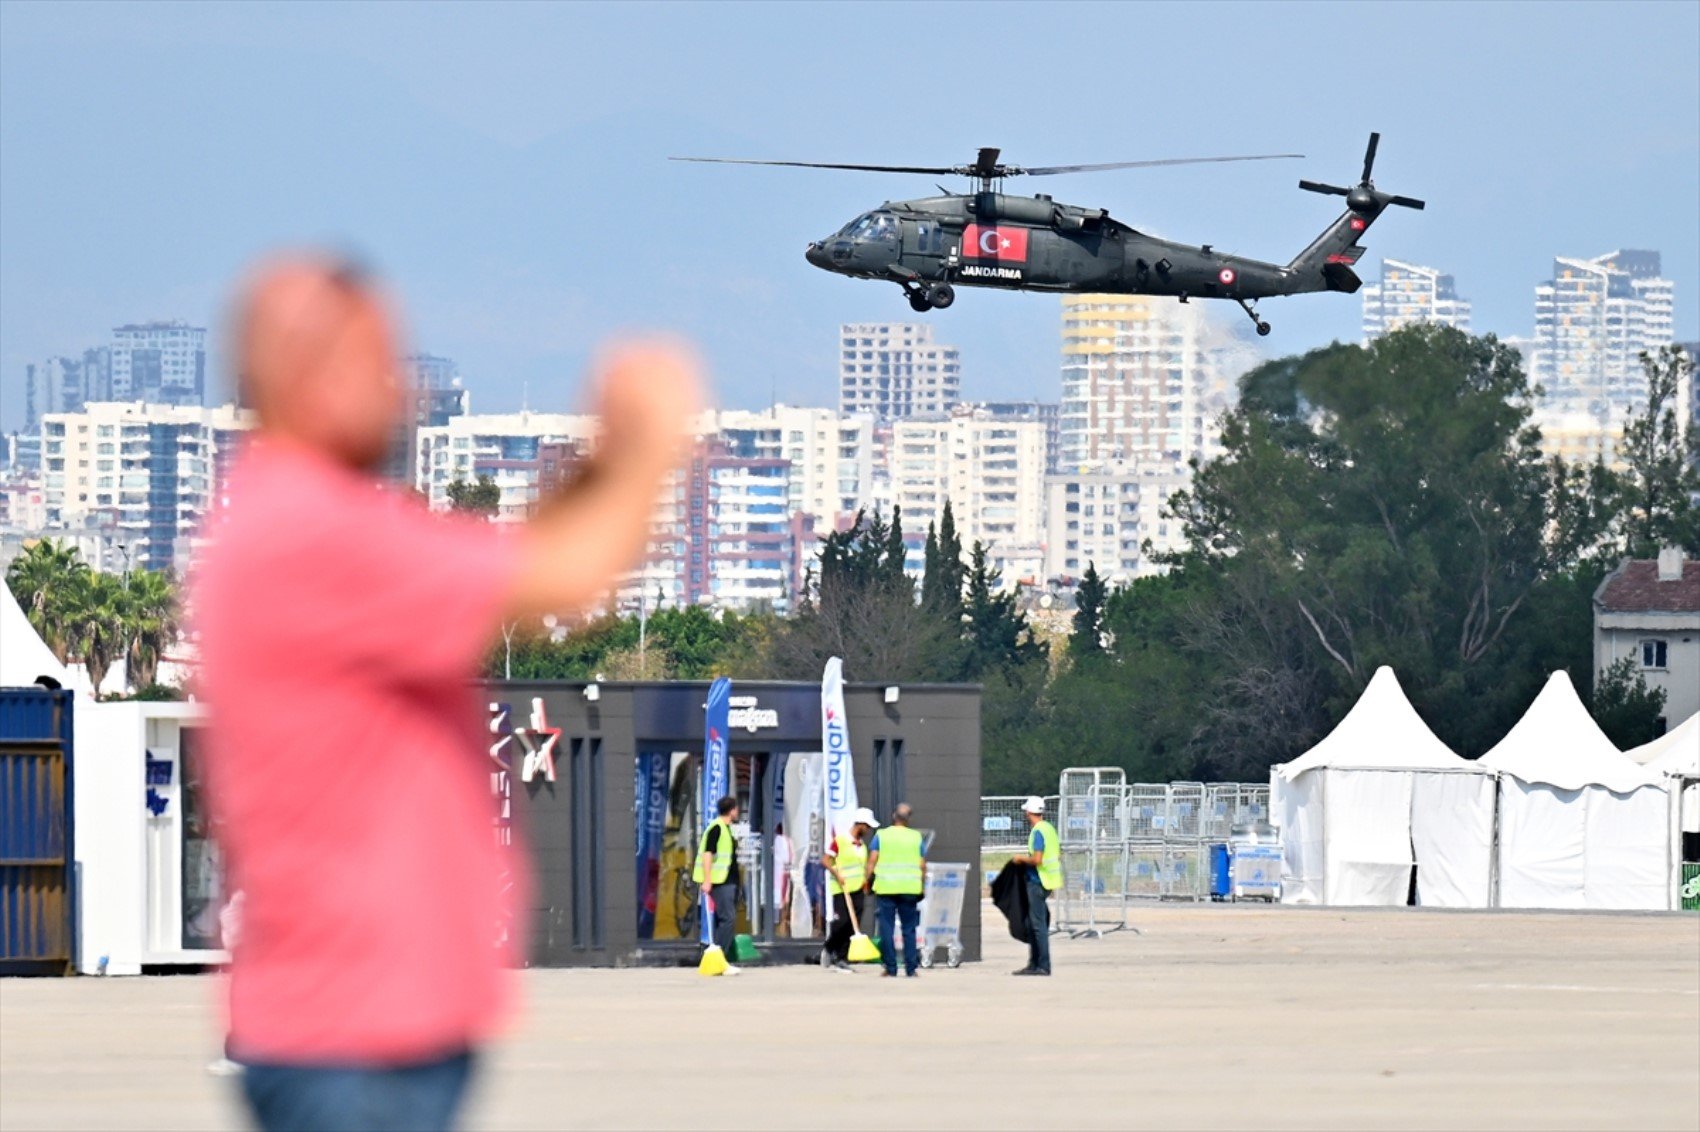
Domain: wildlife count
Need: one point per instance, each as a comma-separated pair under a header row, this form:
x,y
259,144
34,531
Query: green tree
x,y
944,577
1391,503
1661,481
1626,709
995,633
151,623
98,623
864,609
47,580
483,497
1088,636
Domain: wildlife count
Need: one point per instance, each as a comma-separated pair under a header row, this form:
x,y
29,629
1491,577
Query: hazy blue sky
x,y
504,165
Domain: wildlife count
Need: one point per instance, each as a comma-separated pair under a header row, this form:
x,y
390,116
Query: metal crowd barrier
x,y
1123,842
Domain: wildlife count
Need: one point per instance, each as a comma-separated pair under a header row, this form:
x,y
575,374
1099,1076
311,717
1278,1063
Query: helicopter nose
x,y
816,254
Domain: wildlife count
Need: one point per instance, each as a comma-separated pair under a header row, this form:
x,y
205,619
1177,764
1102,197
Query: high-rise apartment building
x,y
1048,413
149,471
741,543
1593,319
65,385
892,370
161,363
1103,516
522,452
1409,293
1143,379
437,396
830,456
992,472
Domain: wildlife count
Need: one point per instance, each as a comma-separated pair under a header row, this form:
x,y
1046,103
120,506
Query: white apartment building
x,y
148,471
991,471
1593,319
159,362
831,455
1103,515
893,370
1649,610
521,452
1144,378
1409,293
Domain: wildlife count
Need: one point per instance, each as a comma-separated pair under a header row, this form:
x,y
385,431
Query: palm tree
x,y
98,611
46,579
151,625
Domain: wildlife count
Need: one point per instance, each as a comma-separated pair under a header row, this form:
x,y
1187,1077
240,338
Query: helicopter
x,y
986,238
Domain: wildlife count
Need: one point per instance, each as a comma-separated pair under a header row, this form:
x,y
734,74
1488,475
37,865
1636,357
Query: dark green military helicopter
x,y
989,239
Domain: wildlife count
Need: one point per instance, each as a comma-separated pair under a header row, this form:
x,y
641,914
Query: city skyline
x,y
479,176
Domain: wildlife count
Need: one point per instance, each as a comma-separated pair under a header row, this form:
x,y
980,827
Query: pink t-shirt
x,y
341,626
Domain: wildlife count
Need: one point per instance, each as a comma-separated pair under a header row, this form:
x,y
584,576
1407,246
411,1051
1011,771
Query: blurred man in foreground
x,y
341,627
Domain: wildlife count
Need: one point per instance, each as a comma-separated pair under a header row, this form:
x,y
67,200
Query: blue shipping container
x,y
37,885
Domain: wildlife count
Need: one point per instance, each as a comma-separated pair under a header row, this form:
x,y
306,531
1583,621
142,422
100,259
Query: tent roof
x,y
23,654
1676,751
1557,743
1381,732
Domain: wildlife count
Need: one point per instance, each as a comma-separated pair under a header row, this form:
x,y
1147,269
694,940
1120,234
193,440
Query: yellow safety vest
x,y
898,872
1050,867
852,859
722,859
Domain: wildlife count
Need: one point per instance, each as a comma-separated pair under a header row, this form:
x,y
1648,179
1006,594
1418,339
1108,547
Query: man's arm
x,y
590,531
1033,859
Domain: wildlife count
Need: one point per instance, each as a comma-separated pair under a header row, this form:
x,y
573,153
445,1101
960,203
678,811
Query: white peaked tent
x,y
1676,755
1580,824
1380,794
1674,752
23,654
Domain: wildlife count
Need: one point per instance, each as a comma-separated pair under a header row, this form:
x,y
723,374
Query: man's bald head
x,y
317,359
902,814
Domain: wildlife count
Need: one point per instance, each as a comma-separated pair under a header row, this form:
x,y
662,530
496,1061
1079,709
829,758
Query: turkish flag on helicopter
x,y
1006,245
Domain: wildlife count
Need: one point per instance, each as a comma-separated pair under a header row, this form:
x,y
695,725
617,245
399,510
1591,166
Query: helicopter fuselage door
x,y
923,247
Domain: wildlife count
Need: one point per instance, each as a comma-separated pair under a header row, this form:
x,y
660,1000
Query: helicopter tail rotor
x,y
1364,197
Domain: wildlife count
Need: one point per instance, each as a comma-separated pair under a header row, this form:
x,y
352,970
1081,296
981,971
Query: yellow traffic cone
x,y
862,949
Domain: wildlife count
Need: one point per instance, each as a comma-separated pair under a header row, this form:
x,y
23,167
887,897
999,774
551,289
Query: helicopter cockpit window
x,y
874,226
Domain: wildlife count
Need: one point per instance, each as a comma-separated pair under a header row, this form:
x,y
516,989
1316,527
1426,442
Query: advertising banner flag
x,y
651,788
716,769
840,779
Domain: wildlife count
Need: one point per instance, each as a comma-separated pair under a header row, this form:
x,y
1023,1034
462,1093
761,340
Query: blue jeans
x,y
906,908
421,1097
1038,925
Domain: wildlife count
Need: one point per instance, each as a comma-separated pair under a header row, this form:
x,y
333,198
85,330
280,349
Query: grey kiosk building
x,y
613,837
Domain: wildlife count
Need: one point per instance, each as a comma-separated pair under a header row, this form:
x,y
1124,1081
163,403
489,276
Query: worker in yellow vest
x,y
1044,876
717,872
899,865
846,861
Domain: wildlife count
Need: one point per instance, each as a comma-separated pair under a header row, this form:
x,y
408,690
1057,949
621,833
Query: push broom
x,y
862,949
713,958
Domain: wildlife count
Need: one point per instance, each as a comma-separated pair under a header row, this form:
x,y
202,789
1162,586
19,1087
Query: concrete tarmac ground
x,y
1217,1016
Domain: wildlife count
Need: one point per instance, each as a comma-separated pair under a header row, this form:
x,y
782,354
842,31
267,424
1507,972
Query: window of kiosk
x,y
203,895
780,880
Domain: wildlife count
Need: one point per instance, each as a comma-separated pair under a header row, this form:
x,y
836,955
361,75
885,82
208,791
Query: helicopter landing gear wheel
x,y
1262,327
941,295
919,302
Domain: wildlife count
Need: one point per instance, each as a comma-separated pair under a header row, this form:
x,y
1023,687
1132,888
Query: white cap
x,y
1033,805
866,817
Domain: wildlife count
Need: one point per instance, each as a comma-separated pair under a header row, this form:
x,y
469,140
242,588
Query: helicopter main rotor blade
x,y
1048,170
925,169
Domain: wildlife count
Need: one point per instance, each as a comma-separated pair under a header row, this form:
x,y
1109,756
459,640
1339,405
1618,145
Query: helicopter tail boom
x,y
1326,265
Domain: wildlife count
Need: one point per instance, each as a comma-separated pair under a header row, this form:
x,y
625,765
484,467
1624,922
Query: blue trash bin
x,y
1221,876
